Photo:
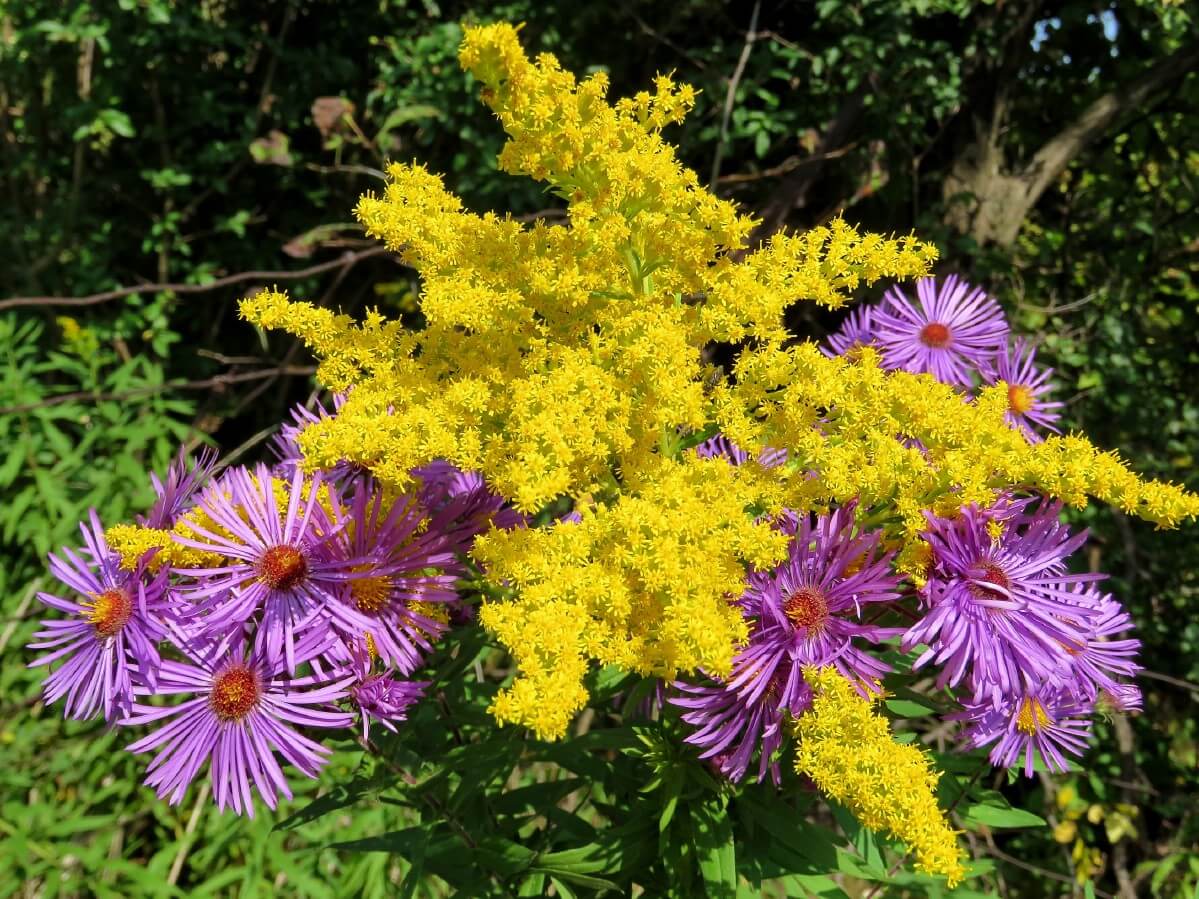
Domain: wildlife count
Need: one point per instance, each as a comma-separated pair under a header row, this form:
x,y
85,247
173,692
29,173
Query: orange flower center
x,y
110,611
991,574
935,335
371,594
1032,716
282,567
1019,398
807,608
235,693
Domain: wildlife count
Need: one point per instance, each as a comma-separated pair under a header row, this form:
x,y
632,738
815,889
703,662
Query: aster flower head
x,y
1119,699
953,331
805,612
286,444
1041,721
380,697
177,492
1098,659
1001,607
108,645
242,711
1028,389
732,730
857,330
401,575
461,504
808,610
279,575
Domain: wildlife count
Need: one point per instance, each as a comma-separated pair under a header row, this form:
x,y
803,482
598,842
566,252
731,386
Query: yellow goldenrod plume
x,y
848,751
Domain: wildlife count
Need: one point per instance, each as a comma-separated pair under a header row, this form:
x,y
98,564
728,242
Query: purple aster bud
x,y
176,493
380,697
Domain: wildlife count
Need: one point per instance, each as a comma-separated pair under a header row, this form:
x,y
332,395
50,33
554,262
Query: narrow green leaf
x,y
714,849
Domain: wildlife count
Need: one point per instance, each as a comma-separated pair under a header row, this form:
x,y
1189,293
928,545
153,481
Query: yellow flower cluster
x,y
642,583
848,751
81,341
567,360
131,542
852,423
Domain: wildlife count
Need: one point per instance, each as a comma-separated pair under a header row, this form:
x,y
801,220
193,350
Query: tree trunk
x,y
989,200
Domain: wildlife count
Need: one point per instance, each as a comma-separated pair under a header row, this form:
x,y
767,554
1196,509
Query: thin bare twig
x,y
788,165
217,381
344,261
730,96
347,169
1168,679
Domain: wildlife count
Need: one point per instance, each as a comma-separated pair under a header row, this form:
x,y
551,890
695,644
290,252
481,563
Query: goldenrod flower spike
x,y
849,752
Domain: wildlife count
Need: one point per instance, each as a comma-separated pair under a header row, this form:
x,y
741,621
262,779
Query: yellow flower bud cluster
x,y
643,583
568,360
849,752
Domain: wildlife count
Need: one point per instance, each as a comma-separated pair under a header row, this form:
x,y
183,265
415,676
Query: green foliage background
x,y
151,141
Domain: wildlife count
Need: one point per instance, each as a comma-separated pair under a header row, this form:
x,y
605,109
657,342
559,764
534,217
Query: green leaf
x,y
994,815
714,849
906,708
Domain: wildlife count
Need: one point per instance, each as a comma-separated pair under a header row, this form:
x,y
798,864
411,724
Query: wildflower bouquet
x,y
550,458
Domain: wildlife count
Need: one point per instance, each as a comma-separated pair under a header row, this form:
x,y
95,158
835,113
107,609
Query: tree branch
x,y
217,382
751,35
793,190
1052,159
344,261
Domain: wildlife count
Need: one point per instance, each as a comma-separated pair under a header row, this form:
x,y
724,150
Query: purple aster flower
x,y
176,493
286,445
956,330
1001,609
857,330
108,644
1027,388
1042,722
460,503
731,729
1096,660
804,613
808,609
279,562
379,696
721,446
395,562
242,711
1119,699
